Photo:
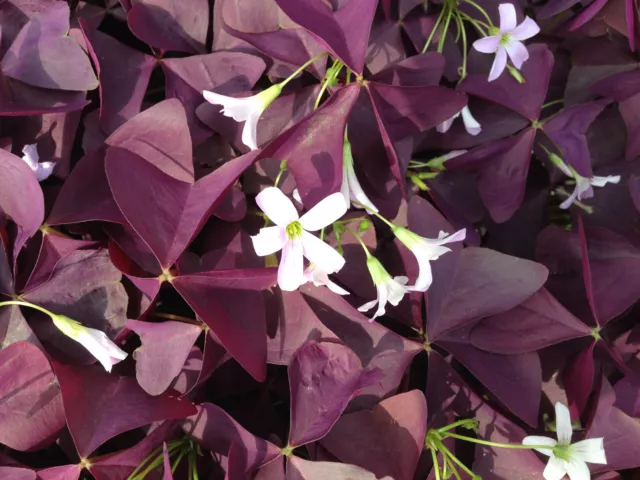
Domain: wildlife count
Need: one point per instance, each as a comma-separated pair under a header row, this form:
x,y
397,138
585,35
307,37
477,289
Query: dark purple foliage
x,y
146,232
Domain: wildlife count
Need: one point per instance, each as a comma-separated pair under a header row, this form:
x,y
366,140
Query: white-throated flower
x,y
247,109
320,277
389,289
584,185
95,341
565,457
291,235
42,170
351,188
426,250
471,125
507,40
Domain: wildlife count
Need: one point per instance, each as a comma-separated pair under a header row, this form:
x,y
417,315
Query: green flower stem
x,y
283,168
436,466
495,444
355,234
176,462
577,203
462,31
459,423
27,304
193,468
555,102
447,452
375,213
330,78
451,466
443,34
481,10
301,69
482,27
435,27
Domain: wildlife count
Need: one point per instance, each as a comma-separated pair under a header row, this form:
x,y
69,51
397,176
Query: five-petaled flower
x,y
42,170
95,341
291,235
471,125
351,188
507,40
247,109
565,457
426,250
584,185
389,289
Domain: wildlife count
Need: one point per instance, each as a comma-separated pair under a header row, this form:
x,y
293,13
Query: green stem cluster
x,y
330,79
177,450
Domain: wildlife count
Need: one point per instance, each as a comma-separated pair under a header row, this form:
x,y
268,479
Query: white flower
x,y
351,188
247,109
583,185
96,341
389,289
42,170
426,250
320,277
564,457
471,125
291,235
507,40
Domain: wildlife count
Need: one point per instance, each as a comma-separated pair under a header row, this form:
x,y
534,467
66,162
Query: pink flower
x,y
41,170
507,40
291,235
471,125
389,289
320,277
351,188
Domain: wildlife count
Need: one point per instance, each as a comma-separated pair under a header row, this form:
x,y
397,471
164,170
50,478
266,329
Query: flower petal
x,y
508,20
487,44
356,192
538,440
383,295
322,255
324,213
569,201
319,277
44,170
290,271
602,181
425,277
564,429
94,341
577,470
555,469
517,52
446,125
471,125
590,450
499,64
269,240
396,290
368,306
250,130
31,156
527,29
277,206
336,288
583,186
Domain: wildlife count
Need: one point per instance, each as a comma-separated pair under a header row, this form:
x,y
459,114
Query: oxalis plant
x,y
309,239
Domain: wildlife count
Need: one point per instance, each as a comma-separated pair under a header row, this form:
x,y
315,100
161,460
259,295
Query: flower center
x,y
505,39
294,230
562,452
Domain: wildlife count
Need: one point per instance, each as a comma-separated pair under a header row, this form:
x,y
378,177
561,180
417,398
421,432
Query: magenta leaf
x,y
16,473
299,469
65,472
99,405
30,403
165,347
323,378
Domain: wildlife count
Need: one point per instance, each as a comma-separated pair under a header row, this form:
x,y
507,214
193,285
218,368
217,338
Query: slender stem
x,y
193,466
454,425
435,27
451,466
352,232
476,23
555,102
464,47
577,203
375,213
331,76
176,462
445,29
26,304
495,444
481,10
279,177
301,69
448,452
436,466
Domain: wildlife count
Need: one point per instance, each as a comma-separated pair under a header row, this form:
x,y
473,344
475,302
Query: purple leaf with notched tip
x,y
124,76
16,473
486,283
14,328
216,430
44,56
98,405
536,323
165,212
344,31
416,71
390,437
230,303
525,98
323,378
30,403
165,347
20,198
160,135
299,469
65,472
172,25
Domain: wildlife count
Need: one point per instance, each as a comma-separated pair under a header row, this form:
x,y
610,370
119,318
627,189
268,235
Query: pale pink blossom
x,y
388,289
351,188
291,235
42,170
320,277
566,458
471,125
507,40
